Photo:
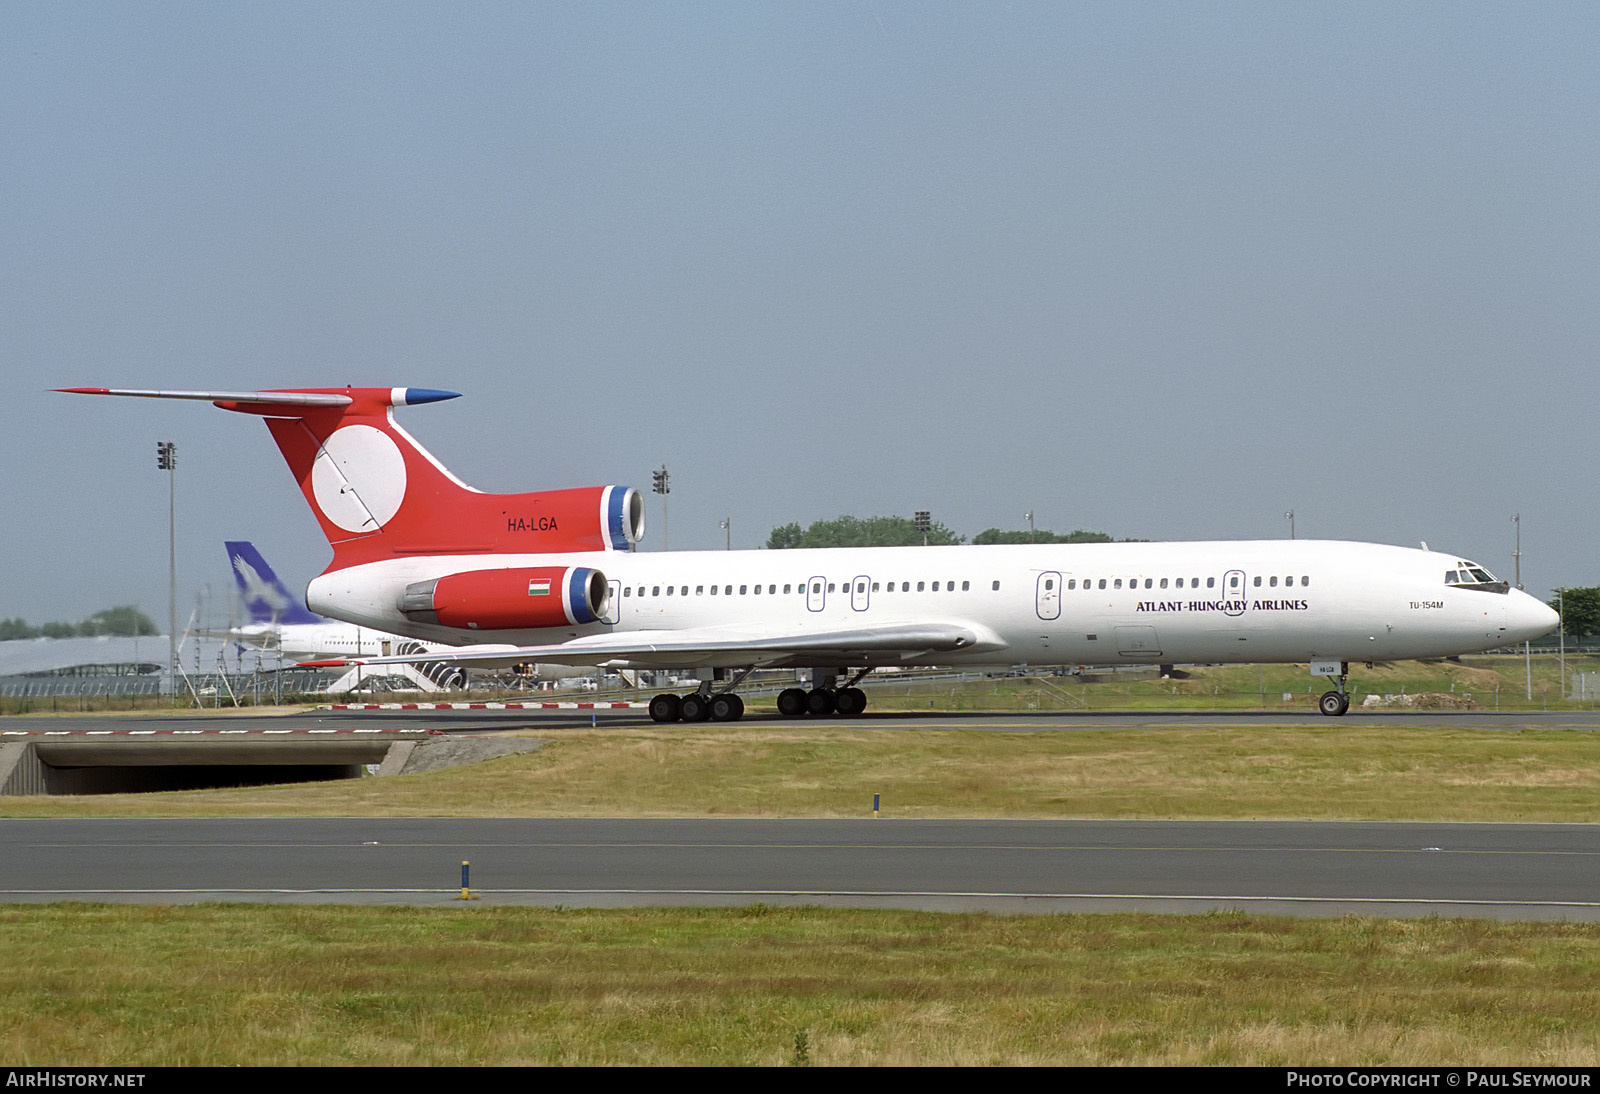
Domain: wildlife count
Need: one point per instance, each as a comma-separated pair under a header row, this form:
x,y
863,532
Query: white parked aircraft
x,y
278,621
419,553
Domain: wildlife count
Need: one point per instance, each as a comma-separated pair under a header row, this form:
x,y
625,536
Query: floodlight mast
x,y
660,483
167,460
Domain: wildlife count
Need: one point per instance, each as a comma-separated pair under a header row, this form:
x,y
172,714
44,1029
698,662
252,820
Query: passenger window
x,y
1304,580
966,586
1274,582
1147,582
1117,584
995,587
656,591
920,586
669,590
1258,581
1102,583
1163,583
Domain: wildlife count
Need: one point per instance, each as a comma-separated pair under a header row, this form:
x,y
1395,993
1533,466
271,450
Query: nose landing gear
x,y
1336,702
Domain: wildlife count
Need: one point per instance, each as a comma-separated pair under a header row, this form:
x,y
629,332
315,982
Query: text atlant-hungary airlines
x,y
553,575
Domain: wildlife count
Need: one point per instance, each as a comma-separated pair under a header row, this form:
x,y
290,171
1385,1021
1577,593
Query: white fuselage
x,y
1100,603
315,641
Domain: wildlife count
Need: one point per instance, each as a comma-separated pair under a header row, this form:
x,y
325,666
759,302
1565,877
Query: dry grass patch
x,y
1324,773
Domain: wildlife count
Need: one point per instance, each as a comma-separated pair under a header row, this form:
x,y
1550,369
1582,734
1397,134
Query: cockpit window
x,y
1469,575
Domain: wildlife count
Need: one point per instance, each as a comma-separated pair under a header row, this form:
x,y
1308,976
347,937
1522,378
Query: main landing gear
x,y
702,705
697,707
1336,702
821,702
824,699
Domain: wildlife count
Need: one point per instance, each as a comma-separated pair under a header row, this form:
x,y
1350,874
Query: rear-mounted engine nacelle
x,y
525,598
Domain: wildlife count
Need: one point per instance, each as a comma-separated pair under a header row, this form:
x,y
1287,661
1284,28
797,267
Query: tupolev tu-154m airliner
x,y
554,575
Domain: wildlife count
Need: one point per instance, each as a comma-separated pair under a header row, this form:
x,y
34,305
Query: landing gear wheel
x,y
820,702
695,707
1333,704
792,702
665,708
727,708
850,702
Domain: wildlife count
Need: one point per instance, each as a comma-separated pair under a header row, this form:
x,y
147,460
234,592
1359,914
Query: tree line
x,y
850,531
1580,611
122,621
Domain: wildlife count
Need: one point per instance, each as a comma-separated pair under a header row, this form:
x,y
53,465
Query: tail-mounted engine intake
x,y
526,598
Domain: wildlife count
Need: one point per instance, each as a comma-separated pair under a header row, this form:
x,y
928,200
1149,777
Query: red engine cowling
x,y
524,598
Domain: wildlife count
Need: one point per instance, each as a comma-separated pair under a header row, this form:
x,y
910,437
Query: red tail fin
x,y
379,494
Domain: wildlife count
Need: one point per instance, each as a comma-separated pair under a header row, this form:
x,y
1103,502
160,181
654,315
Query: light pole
x,y
727,526
1561,610
1029,516
167,460
923,520
1527,646
1290,515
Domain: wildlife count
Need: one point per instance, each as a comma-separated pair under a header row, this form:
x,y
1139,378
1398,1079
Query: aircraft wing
x,y
882,645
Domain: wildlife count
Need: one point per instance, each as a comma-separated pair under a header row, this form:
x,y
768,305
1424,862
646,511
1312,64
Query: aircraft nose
x,y
1528,618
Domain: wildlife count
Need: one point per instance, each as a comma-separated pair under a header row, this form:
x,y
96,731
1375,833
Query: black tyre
x,y
1333,704
850,702
664,708
727,708
694,708
820,702
792,702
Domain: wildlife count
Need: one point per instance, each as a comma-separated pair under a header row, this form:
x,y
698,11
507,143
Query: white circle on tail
x,y
359,478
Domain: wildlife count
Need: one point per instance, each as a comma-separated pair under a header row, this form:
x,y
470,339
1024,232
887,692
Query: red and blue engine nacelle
x,y
513,599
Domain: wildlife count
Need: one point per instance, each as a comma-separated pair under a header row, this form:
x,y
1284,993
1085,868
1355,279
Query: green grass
x,y
1473,683
134,986
138,986
1326,771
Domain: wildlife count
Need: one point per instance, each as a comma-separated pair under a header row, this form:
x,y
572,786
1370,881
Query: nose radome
x,y
1528,618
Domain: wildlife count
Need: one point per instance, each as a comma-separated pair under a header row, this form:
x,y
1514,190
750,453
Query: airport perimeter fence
x,y
212,689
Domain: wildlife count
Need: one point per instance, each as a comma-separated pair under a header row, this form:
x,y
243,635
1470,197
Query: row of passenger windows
x,y
1271,582
1233,585
792,587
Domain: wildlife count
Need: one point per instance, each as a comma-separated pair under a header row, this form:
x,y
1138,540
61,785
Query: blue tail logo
x,y
264,596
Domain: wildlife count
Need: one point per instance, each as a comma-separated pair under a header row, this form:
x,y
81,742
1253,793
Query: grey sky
x,y
1162,270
